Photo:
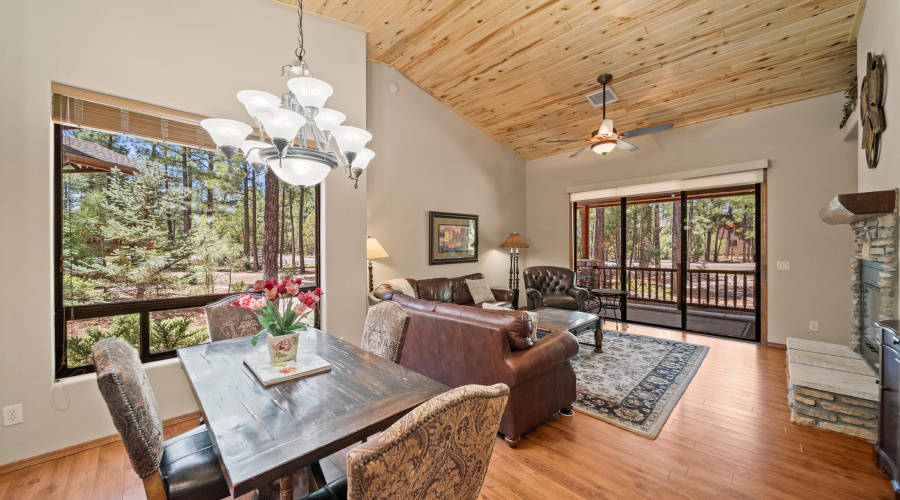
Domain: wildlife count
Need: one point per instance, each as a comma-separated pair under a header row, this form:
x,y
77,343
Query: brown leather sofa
x,y
451,290
458,345
548,286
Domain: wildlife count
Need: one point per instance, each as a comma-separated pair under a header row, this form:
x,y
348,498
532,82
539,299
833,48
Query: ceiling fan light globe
x,y
603,147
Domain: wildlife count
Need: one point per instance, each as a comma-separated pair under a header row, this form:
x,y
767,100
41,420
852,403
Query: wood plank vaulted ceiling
x,y
520,69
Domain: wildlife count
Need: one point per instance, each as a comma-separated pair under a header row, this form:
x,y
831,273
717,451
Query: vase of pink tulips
x,y
280,311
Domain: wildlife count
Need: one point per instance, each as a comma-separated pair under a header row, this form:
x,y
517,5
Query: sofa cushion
x,y
515,324
413,303
557,301
436,289
480,291
459,289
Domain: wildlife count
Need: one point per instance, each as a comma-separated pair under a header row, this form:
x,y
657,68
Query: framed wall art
x,y
452,238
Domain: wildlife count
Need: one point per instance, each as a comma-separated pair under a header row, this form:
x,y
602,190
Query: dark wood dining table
x,y
265,434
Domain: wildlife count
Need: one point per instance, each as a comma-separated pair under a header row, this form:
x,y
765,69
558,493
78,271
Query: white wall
x,y
190,56
878,34
428,158
809,165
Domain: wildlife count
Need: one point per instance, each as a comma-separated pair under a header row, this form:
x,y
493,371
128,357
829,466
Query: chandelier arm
x,y
321,143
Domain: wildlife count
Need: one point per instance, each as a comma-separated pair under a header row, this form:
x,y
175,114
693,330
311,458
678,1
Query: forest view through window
x,y
151,232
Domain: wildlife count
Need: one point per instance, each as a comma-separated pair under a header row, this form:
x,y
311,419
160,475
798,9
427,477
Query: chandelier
x,y
299,129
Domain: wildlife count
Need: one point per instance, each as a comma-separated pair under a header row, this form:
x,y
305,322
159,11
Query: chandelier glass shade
x,y
299,149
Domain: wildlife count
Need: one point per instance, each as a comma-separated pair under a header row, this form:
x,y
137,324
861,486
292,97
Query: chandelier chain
x,y
300,52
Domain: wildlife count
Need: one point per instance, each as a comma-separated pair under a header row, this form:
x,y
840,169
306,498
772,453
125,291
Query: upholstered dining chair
x,y
226,322
439,450
385,331
183,467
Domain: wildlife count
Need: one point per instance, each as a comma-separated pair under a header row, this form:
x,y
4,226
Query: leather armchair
x,y
548,286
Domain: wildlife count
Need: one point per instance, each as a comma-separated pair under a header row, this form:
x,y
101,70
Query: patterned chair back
x,y
131,403
225,322
385,330
439,450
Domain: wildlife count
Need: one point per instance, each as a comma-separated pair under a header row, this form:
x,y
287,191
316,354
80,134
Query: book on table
x,y
270,373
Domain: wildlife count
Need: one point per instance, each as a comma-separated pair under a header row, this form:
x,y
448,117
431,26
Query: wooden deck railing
x,y
717,288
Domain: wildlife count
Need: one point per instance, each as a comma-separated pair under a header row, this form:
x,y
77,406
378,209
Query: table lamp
x,y
374,250
514,242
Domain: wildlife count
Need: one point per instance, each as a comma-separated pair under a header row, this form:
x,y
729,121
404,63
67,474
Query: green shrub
x,y
165,335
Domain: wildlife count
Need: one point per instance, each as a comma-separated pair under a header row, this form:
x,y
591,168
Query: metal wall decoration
x,y
871,99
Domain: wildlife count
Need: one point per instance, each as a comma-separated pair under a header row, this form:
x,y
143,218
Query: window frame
x,y
143,308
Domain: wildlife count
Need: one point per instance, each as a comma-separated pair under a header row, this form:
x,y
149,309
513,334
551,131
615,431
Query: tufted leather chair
x,y
548,286
184,467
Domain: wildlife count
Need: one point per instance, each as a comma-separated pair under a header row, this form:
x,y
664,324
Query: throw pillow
x,y
531,314
480,291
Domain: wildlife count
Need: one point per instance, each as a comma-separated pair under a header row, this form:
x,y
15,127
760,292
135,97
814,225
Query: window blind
x,y
83,108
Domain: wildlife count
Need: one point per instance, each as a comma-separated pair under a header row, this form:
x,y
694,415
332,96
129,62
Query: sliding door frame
x,y
682,268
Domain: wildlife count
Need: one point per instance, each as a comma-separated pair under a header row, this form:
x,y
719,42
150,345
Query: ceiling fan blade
x,y
648,130
572,140
627,146
581,151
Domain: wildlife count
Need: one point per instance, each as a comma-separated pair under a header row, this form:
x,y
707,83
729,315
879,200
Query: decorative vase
x,y
283,347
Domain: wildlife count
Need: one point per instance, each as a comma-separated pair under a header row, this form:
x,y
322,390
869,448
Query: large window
x,y
149,231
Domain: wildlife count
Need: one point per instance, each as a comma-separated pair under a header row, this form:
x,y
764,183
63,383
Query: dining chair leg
x,y
316,476
287,487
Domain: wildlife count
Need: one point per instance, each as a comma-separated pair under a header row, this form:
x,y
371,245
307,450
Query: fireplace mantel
x,y
852,207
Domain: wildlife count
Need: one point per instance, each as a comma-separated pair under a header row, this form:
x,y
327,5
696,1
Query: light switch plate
x,y
12,415
814,326
783,265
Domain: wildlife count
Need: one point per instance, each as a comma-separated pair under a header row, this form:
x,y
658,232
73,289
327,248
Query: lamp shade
x,y
363,158
257,100
329,119
281,123
351,139
299,171
226,133
514,241
374,250
254,147
310,92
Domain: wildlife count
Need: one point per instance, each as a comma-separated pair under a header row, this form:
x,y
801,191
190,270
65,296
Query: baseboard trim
x,y
71,450
775,345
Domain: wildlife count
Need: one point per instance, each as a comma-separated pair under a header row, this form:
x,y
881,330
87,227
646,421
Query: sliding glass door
x,y
687,259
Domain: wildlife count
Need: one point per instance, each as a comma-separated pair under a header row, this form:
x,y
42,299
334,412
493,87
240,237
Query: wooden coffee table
x,y
574,322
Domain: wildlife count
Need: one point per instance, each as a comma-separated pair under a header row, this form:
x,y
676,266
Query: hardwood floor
x,y
730,436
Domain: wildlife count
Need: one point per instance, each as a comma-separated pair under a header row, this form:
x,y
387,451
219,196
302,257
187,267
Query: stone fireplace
x,y
835,387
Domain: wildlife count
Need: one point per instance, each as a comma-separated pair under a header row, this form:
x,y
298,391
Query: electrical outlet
x,y
814,326
783,265
12,415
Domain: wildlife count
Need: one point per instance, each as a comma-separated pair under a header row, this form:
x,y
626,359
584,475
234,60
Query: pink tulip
x,y
256,304
271,293
259,285
300,309
292,288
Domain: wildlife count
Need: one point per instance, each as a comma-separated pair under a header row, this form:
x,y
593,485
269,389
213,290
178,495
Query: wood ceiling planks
x,y
520,69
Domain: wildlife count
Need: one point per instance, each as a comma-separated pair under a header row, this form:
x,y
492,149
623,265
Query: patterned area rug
x,y
637,381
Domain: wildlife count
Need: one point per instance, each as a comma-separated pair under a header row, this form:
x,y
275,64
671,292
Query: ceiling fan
x,y
606,138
